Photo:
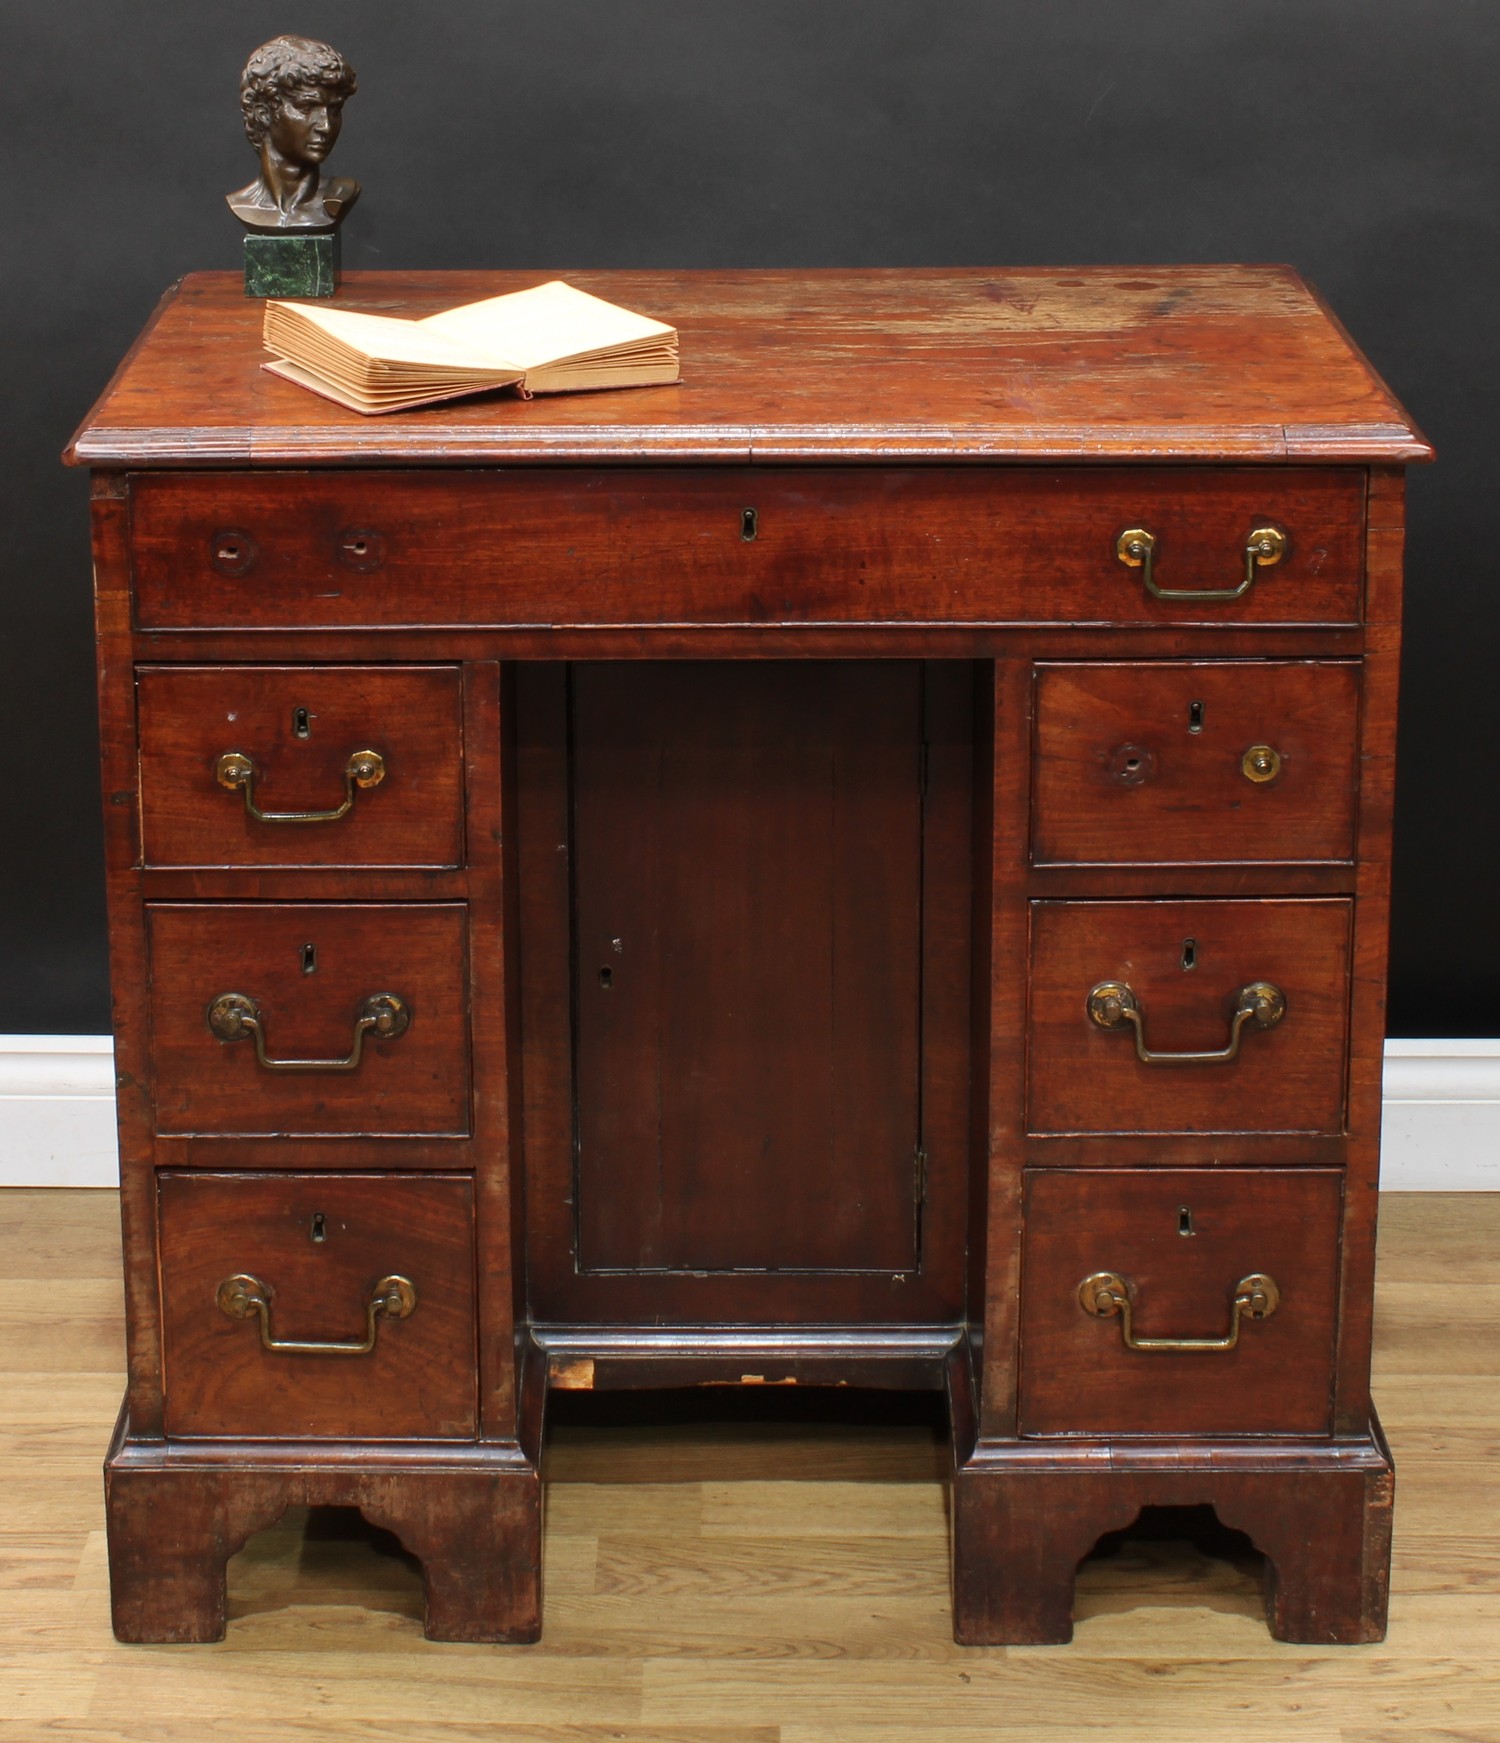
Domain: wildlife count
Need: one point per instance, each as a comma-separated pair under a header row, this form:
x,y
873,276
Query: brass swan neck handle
x,y
238,773
1136,549
1260,1005
1106,1295
236,1017
242,1295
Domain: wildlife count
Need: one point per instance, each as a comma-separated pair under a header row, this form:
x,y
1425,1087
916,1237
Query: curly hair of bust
x,y
286,64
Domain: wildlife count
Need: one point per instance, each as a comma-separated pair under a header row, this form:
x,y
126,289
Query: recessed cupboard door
x,y
749,865
757,978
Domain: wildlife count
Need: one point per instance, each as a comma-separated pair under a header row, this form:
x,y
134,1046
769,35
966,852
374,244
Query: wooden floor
x,y
736,1581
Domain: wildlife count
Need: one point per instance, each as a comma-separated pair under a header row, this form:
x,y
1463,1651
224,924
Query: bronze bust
x,y
293,92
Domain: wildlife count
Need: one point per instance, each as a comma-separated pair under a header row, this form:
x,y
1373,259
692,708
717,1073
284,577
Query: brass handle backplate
x,y
1106,1295
237,772
1136,549
240,1296
1112,1005
1260,764
236,1017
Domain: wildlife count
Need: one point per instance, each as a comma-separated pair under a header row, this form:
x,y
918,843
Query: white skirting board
x,y
57,1111
1442,1114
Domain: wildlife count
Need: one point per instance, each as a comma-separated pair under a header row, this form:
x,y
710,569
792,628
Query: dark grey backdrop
x,y
1354,138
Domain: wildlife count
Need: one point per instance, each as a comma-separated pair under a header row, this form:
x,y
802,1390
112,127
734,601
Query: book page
x,y
547,324
397,341
356,399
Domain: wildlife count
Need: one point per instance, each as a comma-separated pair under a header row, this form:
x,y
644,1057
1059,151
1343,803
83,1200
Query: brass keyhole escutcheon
x,y
1260,764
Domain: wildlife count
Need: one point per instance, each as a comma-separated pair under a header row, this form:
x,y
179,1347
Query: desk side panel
x,y
1385,546
127,949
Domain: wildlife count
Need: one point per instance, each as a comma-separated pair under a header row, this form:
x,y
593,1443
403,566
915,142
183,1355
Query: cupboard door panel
x,y
748,873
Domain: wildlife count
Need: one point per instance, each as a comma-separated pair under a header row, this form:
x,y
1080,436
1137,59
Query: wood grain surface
x,y
1183,362
747,863
810,876
751,1576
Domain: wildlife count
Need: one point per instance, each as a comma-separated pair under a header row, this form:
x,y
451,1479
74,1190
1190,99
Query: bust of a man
x,y
293,92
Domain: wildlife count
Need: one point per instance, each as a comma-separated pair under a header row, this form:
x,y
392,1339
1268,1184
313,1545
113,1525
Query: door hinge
x,y
919,1178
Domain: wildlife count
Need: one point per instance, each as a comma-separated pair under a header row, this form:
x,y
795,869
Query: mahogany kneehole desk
x,y
868,867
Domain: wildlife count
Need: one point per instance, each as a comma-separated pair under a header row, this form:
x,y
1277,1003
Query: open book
x,y
551,339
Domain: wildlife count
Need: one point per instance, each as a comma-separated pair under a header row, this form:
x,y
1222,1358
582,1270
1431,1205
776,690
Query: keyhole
x,y
748,525
1195,717
309,959
301,723
1185,1221
1189,953
606,978
319,1229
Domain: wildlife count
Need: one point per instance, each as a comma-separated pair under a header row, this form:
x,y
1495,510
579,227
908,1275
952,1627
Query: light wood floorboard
x,y
743,1581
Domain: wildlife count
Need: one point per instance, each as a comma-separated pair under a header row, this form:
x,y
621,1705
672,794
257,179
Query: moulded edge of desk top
x,y
1075,351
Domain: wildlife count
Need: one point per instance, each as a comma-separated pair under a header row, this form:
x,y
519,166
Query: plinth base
x,y
283,265
1026,1513
176,1513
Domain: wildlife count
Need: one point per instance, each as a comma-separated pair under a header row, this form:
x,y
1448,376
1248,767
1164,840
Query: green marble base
x,y
292,266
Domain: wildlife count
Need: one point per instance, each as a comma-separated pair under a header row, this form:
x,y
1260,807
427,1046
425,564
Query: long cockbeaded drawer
x,y
860,546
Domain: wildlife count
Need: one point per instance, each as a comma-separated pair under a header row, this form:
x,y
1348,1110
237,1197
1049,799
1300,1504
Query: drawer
x,y
1179,1247
571,546
1190,971
301,765
1195,762
257,1009
317,1251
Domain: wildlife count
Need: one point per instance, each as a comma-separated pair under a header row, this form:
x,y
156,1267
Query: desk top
x,y
1191,363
